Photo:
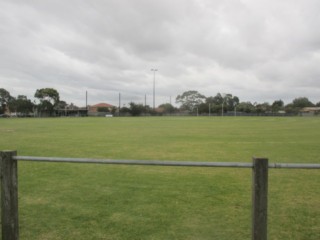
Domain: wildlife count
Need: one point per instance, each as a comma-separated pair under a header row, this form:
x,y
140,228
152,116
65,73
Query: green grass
x,y
88,201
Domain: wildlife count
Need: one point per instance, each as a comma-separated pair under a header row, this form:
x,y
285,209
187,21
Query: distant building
x,y
310,111
100,109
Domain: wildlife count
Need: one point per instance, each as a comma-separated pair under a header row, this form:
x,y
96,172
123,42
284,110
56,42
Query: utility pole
x,y
119,103
154,87
145,104
86,100
223,101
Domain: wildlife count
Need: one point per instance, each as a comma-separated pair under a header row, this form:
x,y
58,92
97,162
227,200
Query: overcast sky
x,y
258,50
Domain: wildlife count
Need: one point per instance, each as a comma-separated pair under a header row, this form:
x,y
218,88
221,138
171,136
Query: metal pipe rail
x,y
136,162
295,165
166,163
259,166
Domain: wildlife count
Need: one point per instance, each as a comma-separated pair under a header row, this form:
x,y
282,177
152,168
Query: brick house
x,y
94,109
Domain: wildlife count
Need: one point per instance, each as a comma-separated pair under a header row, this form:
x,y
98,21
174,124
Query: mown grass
x,y
84,201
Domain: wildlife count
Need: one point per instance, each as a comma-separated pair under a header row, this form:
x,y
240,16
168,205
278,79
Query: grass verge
x,y
84,201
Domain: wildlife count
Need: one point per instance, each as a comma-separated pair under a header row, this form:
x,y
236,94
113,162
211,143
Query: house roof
x,y
102,105
310,109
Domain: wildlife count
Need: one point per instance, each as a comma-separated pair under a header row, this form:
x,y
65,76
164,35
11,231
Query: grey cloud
x,y
258,50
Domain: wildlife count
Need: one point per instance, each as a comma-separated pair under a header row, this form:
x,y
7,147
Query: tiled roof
x,y
102,105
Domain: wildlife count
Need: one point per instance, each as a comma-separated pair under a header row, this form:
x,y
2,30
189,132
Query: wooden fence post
x,y
259,198
9,196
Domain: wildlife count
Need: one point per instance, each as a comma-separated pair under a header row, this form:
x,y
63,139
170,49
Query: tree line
x,y
49,101
191,102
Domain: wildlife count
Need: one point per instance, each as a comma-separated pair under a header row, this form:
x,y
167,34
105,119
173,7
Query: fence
x,y
260,166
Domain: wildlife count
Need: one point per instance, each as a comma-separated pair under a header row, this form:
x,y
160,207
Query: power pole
x,y
154,87
119,103
86,99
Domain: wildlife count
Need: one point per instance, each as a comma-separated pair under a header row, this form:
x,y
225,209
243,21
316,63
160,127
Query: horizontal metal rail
x,y
295,165
166,163
136,162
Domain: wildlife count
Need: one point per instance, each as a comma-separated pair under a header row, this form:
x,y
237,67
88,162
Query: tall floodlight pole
x,y
222,108
154,87
145,104
86,100
119,103
223,100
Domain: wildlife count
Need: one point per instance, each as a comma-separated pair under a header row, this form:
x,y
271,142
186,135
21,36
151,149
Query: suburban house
x,y
310,111
100,109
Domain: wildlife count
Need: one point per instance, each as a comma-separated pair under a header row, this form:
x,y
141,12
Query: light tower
x,y
154,87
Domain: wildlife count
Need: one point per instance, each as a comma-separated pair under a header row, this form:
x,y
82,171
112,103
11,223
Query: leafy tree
x,y
5,98
125,110
114,109
302,102
228,101
46,107
216,100
48,94
167,108
190,99
203,108
277,106
246,107
262,108
136,109
21,105
290,109
49,99
61,105
297,104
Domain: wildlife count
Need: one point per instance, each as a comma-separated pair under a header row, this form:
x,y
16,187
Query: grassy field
x,y
88,201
